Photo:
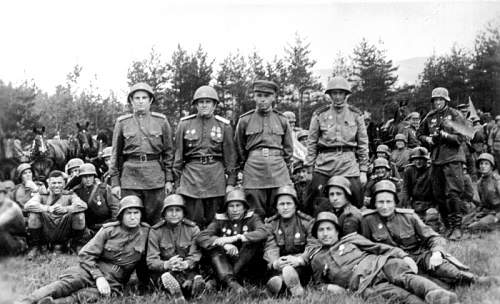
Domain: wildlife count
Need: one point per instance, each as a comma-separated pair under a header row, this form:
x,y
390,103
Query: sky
x,y
43,40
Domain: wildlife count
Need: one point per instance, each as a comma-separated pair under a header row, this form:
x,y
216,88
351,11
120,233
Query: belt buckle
x,y
265,152
143,157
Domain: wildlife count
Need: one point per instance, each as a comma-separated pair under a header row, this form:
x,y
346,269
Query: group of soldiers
x,y
219,208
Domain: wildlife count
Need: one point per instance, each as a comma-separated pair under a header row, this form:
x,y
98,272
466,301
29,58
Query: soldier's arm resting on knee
x,y
34,204
77,204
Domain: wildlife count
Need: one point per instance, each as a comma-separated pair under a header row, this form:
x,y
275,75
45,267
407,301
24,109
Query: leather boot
x,y
449,273
41,293
225,272
441,296
292,281
198,286
35,241
173,287
65,300
274,285
422,286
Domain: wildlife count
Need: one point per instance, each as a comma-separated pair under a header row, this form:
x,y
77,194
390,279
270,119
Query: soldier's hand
x,y
411,263
169,187
33,208
362,178
58,209
231,249
221,241
294,261
180,266
435,260
117,191
103,286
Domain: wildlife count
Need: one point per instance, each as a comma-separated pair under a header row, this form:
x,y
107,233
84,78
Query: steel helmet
x,y
440,92
384,149
302,133
73,163
324,216
290,115
341,182
106,152
384,186
488,157
87,169
401,137
205,92
22,167
497,118
236,195
286,190
413,115
141,86
129,201
338,83
173,200
419,152
381,162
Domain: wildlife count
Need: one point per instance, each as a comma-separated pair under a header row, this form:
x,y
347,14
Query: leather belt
x,y
336,149
206,159
144,157
266,152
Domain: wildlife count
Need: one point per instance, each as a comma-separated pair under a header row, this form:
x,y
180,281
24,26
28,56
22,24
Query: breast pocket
x,y
349,130
380,236
344,254
408,239
112,249
167,250
183,249
191,138
326,130
156,137
132,139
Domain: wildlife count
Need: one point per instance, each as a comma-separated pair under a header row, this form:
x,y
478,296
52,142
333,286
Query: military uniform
x,y
12,228
487,215
114,253
405,230
337,145
166,241
447,155
369,187
400,158
141,159
411,136
265,148
205,154
416,192
349,217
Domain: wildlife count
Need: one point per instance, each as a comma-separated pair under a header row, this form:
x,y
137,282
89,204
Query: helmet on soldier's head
x,y
400,136
381,162
286,190
341,182
301,134
384,149
106,152
141,86
236,195
497,118
440,93
338,83
173,200
419,152
21,168
488,157
324,216
383,185
290,116
73,163
205,92
87,169
130,201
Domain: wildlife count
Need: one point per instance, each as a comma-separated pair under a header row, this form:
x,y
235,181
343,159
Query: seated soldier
x,y
370,270
234,240
302,181
55,217
302,136
72,170
383,151
338,191
402,228
400,156
12,229
173,254
381,171
102,206
288,234
25,186
106,155
105,263
487,214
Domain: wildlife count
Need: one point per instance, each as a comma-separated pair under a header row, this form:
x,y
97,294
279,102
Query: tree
x,y
342,66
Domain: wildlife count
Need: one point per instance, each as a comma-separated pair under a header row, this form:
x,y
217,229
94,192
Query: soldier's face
x,y
337,197
27,175
286,206
235,210
73,172
498,122
400,144
88,180
141,102
485,167
264,101
382,154
56,184
327,233
107,161
385,203
131,217
174,215
338,97
438,103
205,106
303,175
415,121
303,141
420,162
380,172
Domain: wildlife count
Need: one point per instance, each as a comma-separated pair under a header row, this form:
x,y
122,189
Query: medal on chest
x,y
341,249
245,229
297,235
99,203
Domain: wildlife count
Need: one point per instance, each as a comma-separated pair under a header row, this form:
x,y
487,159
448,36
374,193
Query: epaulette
x,y
271,219
144,224
405,210
160,115
496,176
304,216
321,110
247,113
249,213
355,109
222,119
189,117
221,217
159,224
368,212
189,223
126,116
111,224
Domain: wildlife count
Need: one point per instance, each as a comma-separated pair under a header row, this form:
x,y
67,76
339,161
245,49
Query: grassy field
x,y
19,276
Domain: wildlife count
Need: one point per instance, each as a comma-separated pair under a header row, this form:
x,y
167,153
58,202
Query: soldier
x,y
102,206
12,229
106,155
234,240
383,151
173,254
205,154
381,171
302,178
371,270
487,215
265,146
292,120
338,142
402,228
105,263
288,234
142,155
447,153
464,109
401,155
72,170
25,187
302,137
494,140
410,130
55,217
338,190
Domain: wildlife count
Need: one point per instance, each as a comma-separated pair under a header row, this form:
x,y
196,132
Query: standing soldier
x,y
338,142
265,146
447,155
205,154
106,262
142,156
401,155
494,140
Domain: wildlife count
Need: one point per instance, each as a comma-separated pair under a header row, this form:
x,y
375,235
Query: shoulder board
x,y
189,117
123,117
160,115
404,210
368,212
144,224
496,176
271,219
111,224
67,192
304,216
278,112
355,109
159,224
247,113
221,217
189,222
250,213
321,110
222,119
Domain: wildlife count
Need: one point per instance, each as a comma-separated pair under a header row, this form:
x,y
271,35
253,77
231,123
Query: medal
x,y
99,203
297,235
223,229
280,232
341,249
228,232
245,228
380,226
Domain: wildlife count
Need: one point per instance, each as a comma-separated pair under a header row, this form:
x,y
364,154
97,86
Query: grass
x,y
19,276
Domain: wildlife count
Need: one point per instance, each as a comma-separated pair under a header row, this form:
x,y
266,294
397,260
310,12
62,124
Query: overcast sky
x,y
43,40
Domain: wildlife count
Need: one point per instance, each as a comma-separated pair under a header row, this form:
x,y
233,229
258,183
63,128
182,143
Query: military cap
x,y
22,167
497,118
265,86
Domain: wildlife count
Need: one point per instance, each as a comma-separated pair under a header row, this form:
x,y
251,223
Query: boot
x,y
292,281
449,273
235,286
173,287
274,285
422,287
198,286
44,292
65,300
35,241
441,296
